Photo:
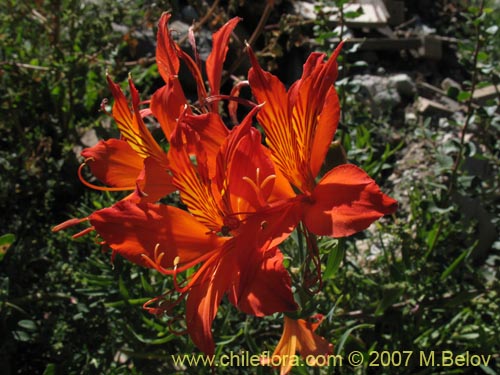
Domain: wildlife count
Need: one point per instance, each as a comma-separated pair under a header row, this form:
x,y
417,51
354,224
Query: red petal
x,y
310,344
131,124
195,187
325,130
244,170
204,297
166,54
155,181
346,201
212,134
215,60
270,226
298,335
114,163
196,73
167,104
313,97
263,287
274,117
136,229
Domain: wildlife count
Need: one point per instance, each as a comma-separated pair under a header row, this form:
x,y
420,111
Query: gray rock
x,y
384,93
403,84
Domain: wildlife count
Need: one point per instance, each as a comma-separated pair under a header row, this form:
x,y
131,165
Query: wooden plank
x,y
428,46
396,9
375,13
384,44
482,95
431,107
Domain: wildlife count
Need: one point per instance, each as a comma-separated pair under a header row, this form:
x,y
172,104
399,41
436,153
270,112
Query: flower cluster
x,y
243,196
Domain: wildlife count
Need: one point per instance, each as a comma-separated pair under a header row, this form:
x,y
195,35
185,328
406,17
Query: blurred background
x,y
419,87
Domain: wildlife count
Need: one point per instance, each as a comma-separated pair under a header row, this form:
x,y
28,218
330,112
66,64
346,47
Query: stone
x,y
403,84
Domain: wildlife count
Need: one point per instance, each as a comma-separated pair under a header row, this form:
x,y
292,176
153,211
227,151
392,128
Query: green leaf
x,y
21,336
146,285
341,343
123,289
391,295
28,325
149,341
463,96
6,241
456,263
334,260
482,56
50,369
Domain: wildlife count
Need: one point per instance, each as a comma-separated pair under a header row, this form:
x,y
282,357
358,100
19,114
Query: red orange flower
x,y
299,125
134,162
298,336
243,199
172,241
168,57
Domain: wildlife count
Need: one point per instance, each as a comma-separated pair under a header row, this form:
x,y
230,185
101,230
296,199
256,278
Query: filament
x,y
97,187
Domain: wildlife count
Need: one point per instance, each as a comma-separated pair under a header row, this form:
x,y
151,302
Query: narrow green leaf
x,y
455,263
50,369
123,289
28,325
334,260
391,295
149,341
341,343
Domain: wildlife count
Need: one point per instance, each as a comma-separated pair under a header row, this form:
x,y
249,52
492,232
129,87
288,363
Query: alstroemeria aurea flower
x,y
300,125
172,240
233,175
135,161
298,336
168,56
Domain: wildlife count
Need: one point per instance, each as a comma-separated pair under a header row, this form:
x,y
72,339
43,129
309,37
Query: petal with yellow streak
x,y
134,230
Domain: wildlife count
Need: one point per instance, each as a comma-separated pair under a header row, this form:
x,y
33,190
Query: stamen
x,y
83,232
267,180
256,189
96,187
68,223
160,258
155,252
252,184
155,263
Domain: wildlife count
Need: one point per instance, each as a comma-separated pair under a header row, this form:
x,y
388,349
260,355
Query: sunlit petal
x,y
134,230
215,60
166,54
167,104
114,163
346,201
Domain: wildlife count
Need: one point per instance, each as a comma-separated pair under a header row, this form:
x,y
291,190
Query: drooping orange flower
x,y
231,261
168,57
299,125
298,336
135,161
